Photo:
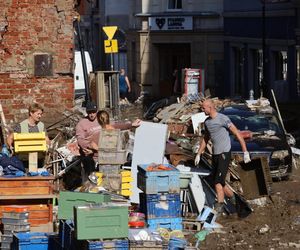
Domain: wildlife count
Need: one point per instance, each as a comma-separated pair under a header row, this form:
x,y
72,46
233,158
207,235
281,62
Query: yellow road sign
x,y
110,31
111,46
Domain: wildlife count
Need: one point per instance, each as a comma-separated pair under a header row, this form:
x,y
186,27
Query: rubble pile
x,y
176,206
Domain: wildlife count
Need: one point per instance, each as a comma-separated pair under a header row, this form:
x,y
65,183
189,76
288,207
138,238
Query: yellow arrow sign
x,y
111,46
110,31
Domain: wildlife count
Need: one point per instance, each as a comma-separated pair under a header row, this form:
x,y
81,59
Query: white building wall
x,y
156,6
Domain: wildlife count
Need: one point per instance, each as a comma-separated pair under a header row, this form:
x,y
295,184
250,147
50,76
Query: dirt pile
x,y
274,225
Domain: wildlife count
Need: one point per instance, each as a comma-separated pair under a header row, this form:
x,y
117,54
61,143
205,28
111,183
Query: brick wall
x,y
29,28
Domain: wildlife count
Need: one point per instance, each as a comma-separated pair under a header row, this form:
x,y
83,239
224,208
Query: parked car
x,y
264,136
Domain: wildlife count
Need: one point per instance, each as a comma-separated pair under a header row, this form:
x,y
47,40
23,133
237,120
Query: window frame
x,y
175,5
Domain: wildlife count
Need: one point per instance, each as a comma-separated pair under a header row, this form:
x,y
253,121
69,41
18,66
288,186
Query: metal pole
x,y
85,74
263,85
111,62
278,111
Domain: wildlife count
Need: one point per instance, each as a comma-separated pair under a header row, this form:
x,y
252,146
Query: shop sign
x,y
175,23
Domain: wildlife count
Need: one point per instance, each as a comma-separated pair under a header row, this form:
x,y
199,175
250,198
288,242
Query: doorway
x,y
172,58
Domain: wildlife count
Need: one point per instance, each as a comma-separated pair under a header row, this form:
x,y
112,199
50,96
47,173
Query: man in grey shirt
x,y
217,127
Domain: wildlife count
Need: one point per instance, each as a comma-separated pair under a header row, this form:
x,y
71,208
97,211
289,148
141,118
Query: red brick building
x,y
36,56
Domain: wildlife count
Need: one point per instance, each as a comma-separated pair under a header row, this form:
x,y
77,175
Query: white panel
x,y
149,147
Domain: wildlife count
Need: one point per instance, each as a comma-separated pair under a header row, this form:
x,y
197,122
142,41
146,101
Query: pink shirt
x,y
86,131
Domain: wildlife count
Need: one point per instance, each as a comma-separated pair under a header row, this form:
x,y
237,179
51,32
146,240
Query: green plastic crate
x,y
105,221
67,200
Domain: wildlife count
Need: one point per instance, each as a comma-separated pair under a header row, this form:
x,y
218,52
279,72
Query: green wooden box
x,y
105,221
67,200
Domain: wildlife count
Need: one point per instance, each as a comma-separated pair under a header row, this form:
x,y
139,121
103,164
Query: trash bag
x,y
11,164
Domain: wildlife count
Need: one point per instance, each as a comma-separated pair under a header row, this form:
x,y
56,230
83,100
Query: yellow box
x,y
100,178
126,186
30,142
126,192
29,136
126,173
30,146
127,179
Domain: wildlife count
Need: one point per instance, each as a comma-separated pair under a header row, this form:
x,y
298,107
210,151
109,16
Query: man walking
x,y
217,127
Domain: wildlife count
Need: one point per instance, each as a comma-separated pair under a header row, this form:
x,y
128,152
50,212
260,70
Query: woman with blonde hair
x,y
104,121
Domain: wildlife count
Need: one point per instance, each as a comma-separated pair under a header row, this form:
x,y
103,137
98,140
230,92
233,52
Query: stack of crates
x,y
112,150
122,179
160,201
14,219
126,186
112,154
85,218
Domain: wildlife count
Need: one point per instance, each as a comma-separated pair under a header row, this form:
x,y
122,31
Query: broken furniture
x,y
30,143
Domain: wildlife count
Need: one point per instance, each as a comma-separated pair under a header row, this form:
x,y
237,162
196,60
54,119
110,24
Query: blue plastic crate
x,y
169,223
153,182
160,205
30,241
107,244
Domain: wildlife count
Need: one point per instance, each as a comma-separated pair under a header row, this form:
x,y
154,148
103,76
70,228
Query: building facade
x,y
260,48
168,36
36,55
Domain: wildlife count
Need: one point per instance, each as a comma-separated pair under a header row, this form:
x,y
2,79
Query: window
x,y
239,59
281,65
175,4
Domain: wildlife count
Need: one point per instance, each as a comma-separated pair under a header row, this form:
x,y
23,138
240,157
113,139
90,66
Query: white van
x,y
78,72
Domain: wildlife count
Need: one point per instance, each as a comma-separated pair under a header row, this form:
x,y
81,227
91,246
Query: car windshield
x,y
256,123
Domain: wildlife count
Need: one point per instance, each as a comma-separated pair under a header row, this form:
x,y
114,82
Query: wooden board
x,y
26,186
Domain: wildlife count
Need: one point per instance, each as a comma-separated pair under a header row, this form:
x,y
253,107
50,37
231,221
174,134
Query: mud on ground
x,y
276,225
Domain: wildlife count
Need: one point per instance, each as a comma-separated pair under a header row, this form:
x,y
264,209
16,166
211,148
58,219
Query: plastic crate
x,y
153,182
14,215
169,223
185,179
109,169
14,221
6,241
147,244
6,245
16,228
30,241
105,221
7,237
15,209
107,244
67,200
112,157
109,139
160,205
